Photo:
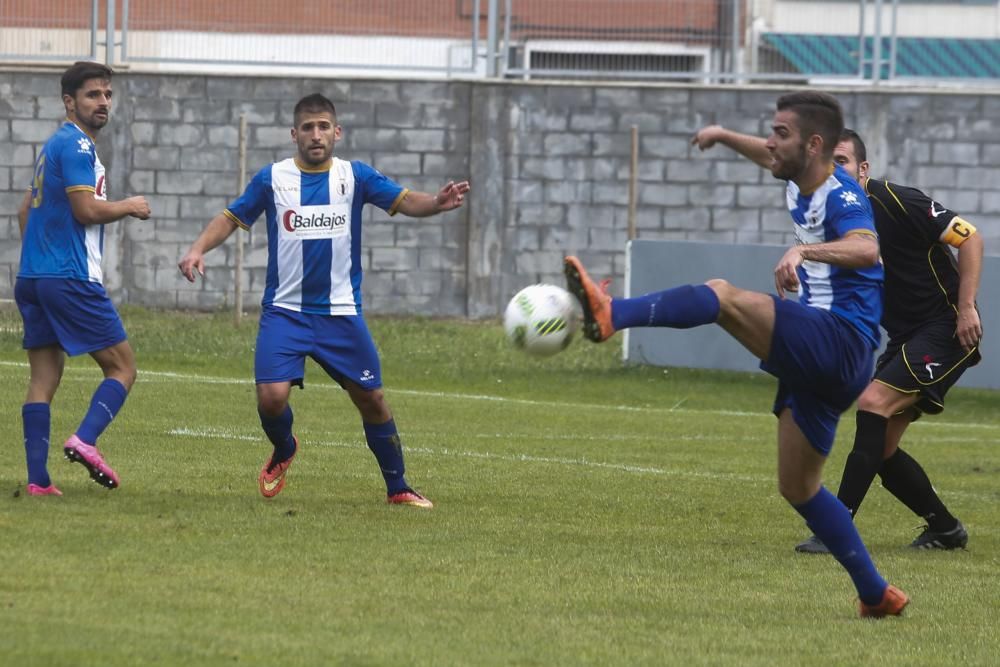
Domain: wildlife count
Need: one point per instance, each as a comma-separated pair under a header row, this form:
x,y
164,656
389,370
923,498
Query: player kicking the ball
x,y
311,307
820,348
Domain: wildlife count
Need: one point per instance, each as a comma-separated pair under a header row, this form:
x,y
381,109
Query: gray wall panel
x,y
658,265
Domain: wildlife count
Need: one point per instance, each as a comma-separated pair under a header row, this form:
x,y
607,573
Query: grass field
x,y
585,513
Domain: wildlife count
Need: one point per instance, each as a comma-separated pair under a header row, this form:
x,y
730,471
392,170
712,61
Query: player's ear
x,y
863,170
295,136
815,144
338,132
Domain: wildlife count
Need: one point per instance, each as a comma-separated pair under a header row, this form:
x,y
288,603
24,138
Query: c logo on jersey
x,y
294,221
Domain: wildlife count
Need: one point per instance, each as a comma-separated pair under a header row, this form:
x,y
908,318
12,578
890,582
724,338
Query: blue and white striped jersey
x,y
55,244
314,231
836,207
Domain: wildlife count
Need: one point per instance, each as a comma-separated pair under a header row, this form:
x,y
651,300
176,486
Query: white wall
x,y
913,19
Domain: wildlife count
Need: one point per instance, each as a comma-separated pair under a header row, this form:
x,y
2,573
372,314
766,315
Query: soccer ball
x,y
541,319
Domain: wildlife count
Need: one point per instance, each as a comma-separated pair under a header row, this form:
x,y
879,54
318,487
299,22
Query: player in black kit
x,y
934,332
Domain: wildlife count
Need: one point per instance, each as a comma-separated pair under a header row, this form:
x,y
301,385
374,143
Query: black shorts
x,y
928,363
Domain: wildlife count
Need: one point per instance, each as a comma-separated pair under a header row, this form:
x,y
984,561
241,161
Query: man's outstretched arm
x,y
423,204
217,231
751,147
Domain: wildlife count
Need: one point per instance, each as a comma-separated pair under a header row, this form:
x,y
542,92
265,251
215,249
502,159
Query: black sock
x,y
903,477
864,461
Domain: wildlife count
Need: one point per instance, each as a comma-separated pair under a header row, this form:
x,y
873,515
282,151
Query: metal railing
x,y
48,30
425,35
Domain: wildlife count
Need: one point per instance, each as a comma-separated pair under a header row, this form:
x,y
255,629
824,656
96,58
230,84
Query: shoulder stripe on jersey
x,y
861,231
81,188
398,201
889,190
239,223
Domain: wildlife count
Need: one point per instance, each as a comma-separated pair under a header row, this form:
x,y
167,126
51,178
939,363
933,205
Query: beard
x,y
789,168
306,155
93,122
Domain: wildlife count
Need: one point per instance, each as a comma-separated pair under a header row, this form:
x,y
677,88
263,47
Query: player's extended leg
x,y
800,468
276,419
384,442
118,364
747,316
680,308
904,478
46,372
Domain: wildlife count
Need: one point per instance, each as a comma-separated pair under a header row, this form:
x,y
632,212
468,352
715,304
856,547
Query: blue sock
x,y
383,440
279,432
107,401
37,423
831,522
679,308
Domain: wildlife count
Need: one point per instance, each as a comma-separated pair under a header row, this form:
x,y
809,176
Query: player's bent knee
x,y
372,406
796,491
720,286
271,401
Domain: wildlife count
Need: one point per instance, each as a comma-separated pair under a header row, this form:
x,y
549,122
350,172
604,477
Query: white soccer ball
x,y
541,319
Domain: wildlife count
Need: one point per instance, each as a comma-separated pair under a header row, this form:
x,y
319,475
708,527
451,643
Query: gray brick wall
x,y
549,164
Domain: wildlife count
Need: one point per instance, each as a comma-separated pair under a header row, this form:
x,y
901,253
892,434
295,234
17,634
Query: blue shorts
x,y
74,314
340,344
822,364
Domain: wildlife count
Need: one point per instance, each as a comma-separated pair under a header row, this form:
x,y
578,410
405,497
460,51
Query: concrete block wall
x,y
549,165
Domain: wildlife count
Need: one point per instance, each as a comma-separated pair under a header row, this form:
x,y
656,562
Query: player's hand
x,y
139,207
969,330
191,262
451,195
707,136
785,275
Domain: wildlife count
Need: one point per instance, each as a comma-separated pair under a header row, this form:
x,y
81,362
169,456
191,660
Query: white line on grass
x,y
516,458
208,379
226,434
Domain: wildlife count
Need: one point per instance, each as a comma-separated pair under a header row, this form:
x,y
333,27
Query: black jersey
x,y
921,274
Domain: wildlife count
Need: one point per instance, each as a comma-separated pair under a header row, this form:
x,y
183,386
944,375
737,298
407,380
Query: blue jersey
x,y
55,244
314,231
838,206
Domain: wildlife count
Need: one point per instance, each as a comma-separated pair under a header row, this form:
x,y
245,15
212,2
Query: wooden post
x,y
238,282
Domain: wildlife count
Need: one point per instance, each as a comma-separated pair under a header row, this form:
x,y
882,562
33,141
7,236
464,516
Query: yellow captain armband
x,y
957,232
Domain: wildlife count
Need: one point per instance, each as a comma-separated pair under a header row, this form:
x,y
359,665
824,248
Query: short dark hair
x,y
819,113
81,72
860,152
314,103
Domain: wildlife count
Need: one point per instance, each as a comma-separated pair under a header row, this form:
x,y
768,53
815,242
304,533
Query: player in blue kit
x,y
63,304
934,329
311,306
820,348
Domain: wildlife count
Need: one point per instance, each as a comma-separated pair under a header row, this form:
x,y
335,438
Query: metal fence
x,y
48,30
689,40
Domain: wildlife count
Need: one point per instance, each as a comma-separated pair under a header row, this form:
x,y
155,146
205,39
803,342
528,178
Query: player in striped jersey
x,y
312,206
820,348
934,331
59,292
